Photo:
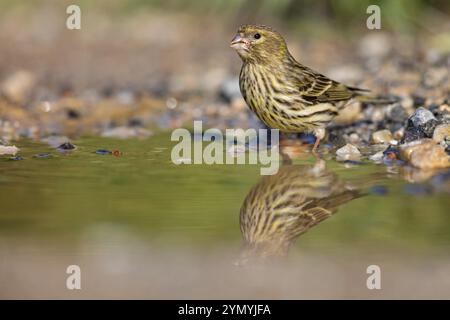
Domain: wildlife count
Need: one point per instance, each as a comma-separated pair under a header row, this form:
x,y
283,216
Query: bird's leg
x,y
286,159
320,134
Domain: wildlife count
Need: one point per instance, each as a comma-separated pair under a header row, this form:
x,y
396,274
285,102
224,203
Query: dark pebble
x,y
103,151
73,114
66,146
420,125
42,155
16,158
379,190
397,114
135,122
418,101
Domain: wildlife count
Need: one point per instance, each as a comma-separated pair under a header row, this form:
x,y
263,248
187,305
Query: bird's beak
x,y
239,43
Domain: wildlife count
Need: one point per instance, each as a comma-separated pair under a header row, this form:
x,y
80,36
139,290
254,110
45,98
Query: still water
x,y
140,226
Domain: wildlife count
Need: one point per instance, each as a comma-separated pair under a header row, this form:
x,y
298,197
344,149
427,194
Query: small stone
x,y
354,138
103,151
377,115
11,150
444,108
229,89
73,114
398,134
55,140
418,101
348,152
424,154
16,158
42,155
420,125
377,157
382,136
441,132
421,116
66,146
397,114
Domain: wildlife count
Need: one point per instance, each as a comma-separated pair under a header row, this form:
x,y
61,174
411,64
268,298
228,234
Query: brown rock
x,y
348,152
382,136
441,132
424,154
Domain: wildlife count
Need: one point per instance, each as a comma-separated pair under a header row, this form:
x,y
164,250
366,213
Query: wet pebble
x,y
377,157
424,154
348,152
102,151
66,146
42,155
397,114
441,132
382,136
420,125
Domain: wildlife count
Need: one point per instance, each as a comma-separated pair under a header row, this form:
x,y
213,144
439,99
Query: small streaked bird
x,y
281,207
283,93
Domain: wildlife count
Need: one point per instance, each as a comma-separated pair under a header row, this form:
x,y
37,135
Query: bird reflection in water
x,y
281,207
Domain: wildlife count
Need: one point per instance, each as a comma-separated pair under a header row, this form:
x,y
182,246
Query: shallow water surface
x,y
140,226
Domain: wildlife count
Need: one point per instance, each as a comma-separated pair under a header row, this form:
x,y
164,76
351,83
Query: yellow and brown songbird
x,y
281,207
283,93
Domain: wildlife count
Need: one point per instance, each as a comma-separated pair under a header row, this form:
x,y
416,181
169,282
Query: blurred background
x,y
176,53
140,226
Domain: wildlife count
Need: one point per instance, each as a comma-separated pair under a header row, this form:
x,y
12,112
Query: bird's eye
x,y
257,36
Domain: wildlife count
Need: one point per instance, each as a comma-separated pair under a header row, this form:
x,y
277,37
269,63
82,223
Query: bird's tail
x,y
364,95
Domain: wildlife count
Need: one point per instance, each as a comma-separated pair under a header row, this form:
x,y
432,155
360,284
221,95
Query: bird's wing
x,y
317,210
316,88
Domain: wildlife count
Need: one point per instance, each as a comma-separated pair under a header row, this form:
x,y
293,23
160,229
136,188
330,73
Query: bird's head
x,y
259,44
